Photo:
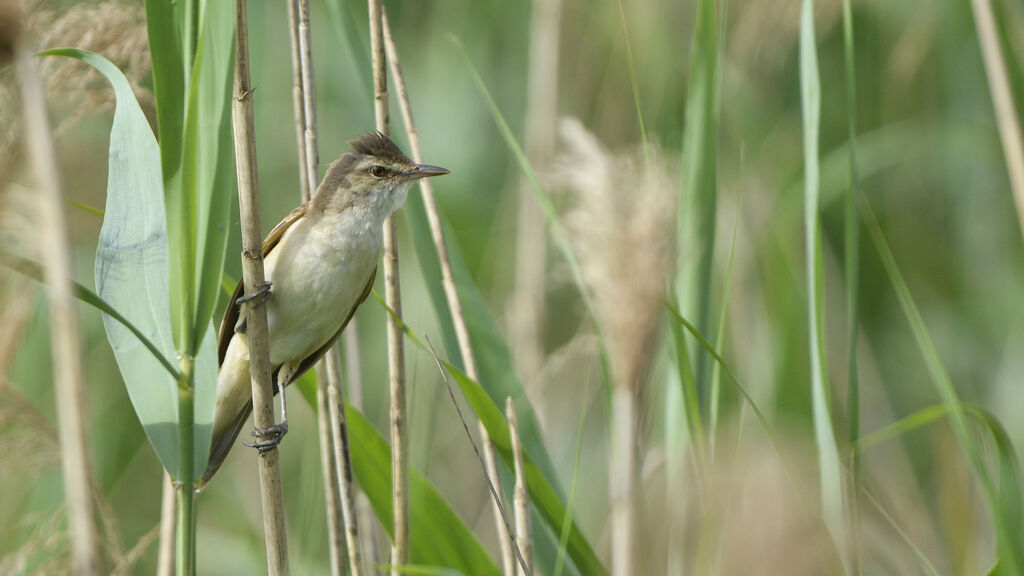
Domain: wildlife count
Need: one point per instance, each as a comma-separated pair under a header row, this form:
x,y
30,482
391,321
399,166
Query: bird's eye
x,y
378,171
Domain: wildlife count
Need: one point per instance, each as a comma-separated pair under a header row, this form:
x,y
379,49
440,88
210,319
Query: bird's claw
x,y
262,293
276,434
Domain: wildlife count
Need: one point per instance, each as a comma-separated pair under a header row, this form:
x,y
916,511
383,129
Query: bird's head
x,y
375,175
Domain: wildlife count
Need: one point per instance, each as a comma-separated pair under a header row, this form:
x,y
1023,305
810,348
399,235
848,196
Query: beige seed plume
x,y
620,222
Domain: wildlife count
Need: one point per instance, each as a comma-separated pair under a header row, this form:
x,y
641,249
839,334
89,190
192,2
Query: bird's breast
x,y
318,270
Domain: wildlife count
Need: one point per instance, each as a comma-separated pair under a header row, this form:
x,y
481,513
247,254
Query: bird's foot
x,y
262,294
272,435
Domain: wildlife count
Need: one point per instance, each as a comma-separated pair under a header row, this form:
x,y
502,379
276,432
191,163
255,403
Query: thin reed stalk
x,y
165,553
256,315
343,461
447,277
393,297
67,363
304,102
524,532
297,98
1002,100
526,325
623,479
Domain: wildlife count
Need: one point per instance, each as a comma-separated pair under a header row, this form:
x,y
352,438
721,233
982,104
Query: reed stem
x,y
447,278
392,295
524,531
67,369
256,316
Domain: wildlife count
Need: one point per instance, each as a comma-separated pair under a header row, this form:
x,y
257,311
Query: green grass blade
x,y
214,183
34,271
716,370
1006,521
563,539
828,454
439,537
634,81
132,262
558,234
851,245
698,201
543,495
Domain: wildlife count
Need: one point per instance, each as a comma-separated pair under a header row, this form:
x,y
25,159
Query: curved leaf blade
x,y
132,262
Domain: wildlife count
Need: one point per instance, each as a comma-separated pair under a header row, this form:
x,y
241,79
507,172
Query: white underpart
x,y
318,270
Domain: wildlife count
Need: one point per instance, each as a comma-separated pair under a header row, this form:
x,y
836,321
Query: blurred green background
x,y
931,165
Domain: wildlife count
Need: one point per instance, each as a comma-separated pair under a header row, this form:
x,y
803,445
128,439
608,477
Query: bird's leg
x,y
262,292
276,432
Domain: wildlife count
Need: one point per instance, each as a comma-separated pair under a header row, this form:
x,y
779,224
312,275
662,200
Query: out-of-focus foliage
x,y
931,165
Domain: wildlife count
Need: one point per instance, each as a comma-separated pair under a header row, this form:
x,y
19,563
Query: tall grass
x,y
818,119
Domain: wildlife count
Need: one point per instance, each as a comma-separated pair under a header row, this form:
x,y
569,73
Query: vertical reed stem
x,y
67,369
343,460
524,532
304,102
165,554
256,317
526,325
1002,100
623,481
396,357
447,278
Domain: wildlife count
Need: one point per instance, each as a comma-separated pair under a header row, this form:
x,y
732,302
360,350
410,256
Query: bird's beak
x,y
425,170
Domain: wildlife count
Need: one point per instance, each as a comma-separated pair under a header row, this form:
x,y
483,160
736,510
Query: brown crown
x,y
380,146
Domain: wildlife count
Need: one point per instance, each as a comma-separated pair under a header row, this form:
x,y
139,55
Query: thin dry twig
x,y
67,370
1002,100
524,531
393,297
447,276
476,450
256,316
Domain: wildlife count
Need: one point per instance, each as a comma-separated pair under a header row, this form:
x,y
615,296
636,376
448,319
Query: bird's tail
x,y
222,441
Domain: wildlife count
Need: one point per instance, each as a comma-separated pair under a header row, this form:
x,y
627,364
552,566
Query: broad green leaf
x,y
829,471
131,262
439,537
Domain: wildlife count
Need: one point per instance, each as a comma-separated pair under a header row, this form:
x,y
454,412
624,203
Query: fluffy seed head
x,y
621,227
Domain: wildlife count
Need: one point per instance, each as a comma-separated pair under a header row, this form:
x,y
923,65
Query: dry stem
x,y
304,101
396,357
256,316
524,532
165,553
67,369
526,324
447,277
623,473
343,460
1002,100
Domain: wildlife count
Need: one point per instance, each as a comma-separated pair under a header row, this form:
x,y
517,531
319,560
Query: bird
x,y
319,263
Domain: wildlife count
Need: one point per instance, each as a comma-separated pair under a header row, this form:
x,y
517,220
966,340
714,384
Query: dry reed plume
x,y
621,222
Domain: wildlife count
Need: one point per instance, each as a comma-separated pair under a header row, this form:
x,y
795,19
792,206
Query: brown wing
x,y
315,357
227,325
